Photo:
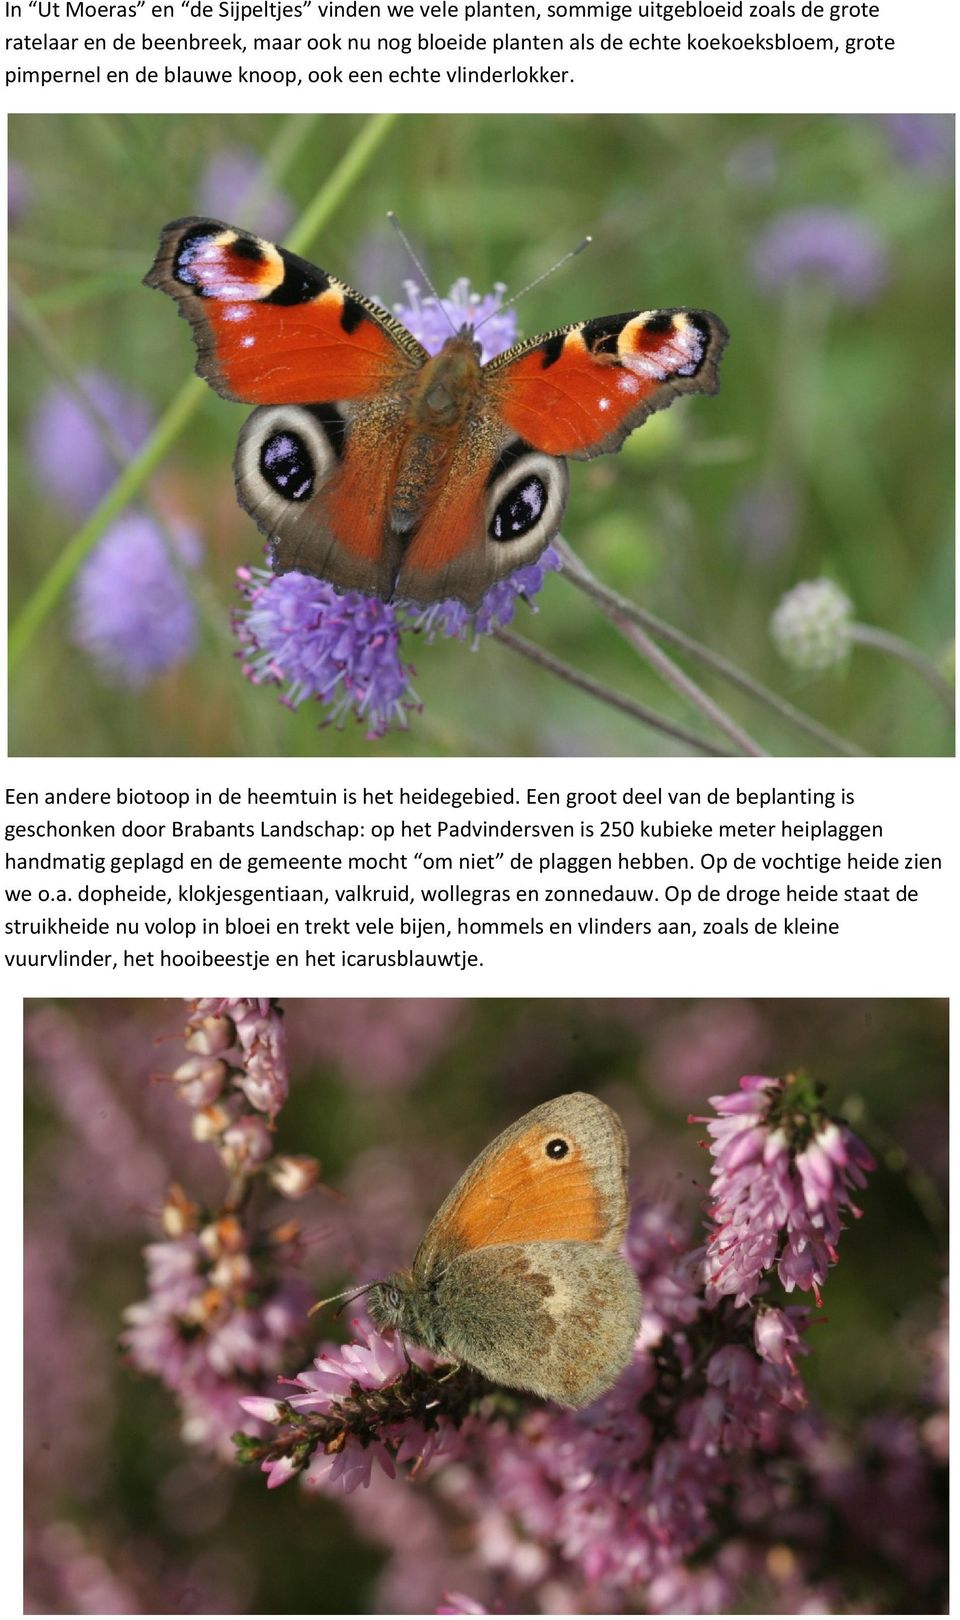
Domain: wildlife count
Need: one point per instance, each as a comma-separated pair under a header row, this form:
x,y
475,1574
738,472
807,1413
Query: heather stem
x,y
605,694
605,598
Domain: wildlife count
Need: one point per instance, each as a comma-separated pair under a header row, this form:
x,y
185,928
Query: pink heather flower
x,y
338,1374
459,1603
370,1361
783,1173
778,1334
200,1338
246,1143
294,1174
259,1034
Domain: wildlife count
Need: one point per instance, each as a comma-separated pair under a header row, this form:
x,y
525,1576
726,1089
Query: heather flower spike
x,y
224,1307
784,1172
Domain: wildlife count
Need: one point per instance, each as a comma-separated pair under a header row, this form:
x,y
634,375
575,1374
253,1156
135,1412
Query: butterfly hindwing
x,y
271,328
559,1319
318,481
579,391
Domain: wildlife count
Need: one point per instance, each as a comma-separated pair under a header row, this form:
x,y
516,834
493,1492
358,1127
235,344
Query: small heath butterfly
x,y
519,1274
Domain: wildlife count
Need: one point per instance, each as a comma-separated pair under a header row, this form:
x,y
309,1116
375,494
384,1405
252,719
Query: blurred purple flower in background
x,y
832,245
65,442
229,179
18,191
762,520
922,141
132,611
344,649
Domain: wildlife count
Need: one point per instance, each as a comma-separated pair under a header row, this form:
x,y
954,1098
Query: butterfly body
x,y
383,469
519,1274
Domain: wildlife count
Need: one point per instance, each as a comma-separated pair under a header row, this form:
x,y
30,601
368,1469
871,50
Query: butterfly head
x,y
466,335
399,1305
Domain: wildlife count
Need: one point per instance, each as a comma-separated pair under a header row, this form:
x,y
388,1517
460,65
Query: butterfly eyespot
x,y
526,497
522,508
285,455
287,466
557,1148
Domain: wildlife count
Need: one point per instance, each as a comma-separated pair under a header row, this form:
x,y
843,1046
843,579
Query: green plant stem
x,y
658,660
584,581
606,694
885,641
183,406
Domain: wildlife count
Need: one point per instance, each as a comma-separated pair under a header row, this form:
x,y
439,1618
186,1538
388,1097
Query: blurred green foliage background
x,y
396,1097
827,451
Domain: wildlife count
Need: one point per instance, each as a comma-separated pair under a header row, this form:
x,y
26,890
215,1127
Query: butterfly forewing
x,y
557,1174
579,391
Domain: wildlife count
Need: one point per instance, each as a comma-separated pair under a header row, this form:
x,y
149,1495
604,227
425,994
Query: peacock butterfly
x,y
383,469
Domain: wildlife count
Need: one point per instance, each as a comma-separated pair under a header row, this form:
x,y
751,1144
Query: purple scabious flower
x,y
498,607
431,320
132,609
342,648
66,447
833,245
783,1174
229,178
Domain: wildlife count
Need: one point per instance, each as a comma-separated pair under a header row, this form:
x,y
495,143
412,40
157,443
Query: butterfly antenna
x,y
406,242
536,282
346,1296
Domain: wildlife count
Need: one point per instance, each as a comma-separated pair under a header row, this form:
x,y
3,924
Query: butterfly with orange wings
x,y
380,468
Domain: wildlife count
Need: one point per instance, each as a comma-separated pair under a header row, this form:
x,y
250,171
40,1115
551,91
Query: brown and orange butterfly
x,y
383,469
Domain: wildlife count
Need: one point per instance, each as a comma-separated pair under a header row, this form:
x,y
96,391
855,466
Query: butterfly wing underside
x,y
522,1189
522,1258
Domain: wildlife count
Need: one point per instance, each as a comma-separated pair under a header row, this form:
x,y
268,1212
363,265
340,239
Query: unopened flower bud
x,y
225,1236
207,1036
233,1273
209,1123
294,1174
246,1144
200,1080
179,1213
812,626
